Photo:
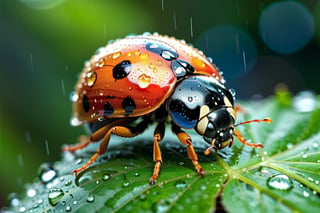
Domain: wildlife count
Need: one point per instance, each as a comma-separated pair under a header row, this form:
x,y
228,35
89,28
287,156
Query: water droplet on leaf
x,y
90,198
280,182
180,184
126,183
55,195
106,177
47,173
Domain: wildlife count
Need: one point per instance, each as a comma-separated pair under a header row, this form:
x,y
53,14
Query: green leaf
x,y
281,177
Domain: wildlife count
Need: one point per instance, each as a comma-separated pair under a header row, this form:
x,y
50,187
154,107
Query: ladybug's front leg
x,y
185,139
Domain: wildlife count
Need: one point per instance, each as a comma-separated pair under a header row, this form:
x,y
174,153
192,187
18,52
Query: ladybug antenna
x,y
242,139
266,120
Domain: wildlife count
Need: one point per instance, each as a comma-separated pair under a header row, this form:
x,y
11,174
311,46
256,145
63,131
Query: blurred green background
x,y
44,43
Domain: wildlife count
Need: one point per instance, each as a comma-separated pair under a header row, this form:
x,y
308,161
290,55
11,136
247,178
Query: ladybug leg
x,y
157,137
117,129
95,137
185,139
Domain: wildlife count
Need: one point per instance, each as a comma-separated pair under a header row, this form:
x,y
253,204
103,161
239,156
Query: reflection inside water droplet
x,y
55,195
179,184
280,182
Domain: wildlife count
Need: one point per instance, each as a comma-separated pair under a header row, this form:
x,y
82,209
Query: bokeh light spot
x,y
232,49
286,26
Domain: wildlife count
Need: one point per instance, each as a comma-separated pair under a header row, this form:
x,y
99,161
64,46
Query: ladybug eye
x,y
122,69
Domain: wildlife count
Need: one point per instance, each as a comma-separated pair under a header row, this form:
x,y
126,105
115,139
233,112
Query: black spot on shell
x,y
128,105
85,103
181,68
122,69
162,50
108,109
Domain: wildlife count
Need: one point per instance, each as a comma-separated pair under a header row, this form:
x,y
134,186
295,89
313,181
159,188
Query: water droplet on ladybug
x,y
91,78
116,55
144,81
74,96
55,195
280,182
144,56
100,62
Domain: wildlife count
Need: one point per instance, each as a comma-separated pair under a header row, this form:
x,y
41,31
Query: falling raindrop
x,y
280,182
47,173
55,195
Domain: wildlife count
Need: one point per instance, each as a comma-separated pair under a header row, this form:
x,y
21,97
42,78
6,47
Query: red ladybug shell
x,y
133,76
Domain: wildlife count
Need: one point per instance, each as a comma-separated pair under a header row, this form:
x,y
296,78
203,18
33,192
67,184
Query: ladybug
x,y
136,81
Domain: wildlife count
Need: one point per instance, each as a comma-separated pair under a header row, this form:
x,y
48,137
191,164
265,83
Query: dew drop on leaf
x,y
136,174
31,192
68,208
280,182
180,184
106,177
55,195
306,194
68,182
90,198
143,197
126,183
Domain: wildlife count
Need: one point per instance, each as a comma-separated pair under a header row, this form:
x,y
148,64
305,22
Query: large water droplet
x,y
180,184
90,198
106,177
91,78
304,101
55,195
47,173
144,81
280,182
68,208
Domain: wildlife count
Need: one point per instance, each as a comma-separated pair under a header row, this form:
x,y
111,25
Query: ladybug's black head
x,y
205,104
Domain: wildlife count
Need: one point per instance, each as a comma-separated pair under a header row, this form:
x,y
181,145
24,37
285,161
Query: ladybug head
x,y
205,104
